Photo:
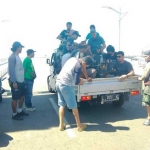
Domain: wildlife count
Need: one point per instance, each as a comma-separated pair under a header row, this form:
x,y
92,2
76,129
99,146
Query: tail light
x,y
134,93
85,98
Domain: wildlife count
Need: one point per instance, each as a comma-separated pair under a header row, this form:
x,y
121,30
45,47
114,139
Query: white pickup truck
x,y
101,89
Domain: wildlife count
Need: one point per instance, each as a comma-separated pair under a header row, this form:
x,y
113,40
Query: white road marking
x,y
69,131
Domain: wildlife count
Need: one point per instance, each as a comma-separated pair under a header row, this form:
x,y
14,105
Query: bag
x,y
33,75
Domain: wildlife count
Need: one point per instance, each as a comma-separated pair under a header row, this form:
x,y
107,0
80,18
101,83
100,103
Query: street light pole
x,y
120,17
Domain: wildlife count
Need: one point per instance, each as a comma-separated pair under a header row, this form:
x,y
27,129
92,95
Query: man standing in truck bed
x,y
94,41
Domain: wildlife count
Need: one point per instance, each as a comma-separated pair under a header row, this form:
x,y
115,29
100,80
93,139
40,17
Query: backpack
x,y
56,61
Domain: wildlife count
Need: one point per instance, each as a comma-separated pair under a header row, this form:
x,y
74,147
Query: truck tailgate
x,y
110,85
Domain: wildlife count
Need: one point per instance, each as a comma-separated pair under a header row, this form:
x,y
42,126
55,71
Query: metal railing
x,y
3,67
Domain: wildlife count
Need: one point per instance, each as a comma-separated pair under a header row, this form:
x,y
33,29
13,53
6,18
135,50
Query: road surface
x,y
109,128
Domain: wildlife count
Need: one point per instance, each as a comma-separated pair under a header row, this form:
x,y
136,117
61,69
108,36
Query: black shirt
x,y
123,68
112,58
63,34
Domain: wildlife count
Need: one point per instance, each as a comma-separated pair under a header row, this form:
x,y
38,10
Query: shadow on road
x,y
5,139
99,117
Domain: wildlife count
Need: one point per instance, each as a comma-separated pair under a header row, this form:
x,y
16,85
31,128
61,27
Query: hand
x,y
81,81
123,77
15,85
139,78
89,79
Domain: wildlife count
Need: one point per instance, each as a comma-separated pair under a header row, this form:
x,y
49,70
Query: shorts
x,y
146,100
18,93
66,95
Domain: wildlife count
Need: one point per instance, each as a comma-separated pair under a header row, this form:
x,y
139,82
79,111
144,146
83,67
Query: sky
x,y
37,23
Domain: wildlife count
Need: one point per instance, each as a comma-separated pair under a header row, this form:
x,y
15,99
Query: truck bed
x,y
109,85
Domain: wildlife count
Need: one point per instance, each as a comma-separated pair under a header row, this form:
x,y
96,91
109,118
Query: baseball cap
x,y
76,33
17,44
30,51
147,52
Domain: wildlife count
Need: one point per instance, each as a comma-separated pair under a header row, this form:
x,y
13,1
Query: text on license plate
x,y
110,97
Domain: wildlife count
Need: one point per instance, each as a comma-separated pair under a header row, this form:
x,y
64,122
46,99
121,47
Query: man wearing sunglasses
x,y
123,68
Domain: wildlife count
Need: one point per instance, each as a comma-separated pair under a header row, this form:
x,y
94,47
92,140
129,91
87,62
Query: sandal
x,y
62,129
83,128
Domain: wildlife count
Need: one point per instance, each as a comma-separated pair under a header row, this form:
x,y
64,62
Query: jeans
x,y
28,96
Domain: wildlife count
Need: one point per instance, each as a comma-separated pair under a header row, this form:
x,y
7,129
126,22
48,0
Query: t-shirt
x,y
64,59
63,34
89,35
99,57
123,68
29,68
70,73
112,58
94,42
15,69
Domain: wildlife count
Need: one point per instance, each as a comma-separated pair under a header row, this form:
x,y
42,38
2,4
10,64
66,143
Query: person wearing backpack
x,y
29,76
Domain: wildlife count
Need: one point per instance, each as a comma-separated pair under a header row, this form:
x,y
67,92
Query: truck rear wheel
x,y
49,86
120,102
1,98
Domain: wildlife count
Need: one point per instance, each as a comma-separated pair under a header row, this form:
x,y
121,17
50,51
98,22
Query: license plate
x,y
110,97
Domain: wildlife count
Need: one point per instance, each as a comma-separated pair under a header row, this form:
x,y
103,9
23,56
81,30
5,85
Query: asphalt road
x,y
109,128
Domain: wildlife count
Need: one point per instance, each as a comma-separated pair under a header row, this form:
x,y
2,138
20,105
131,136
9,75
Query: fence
x,y
3,67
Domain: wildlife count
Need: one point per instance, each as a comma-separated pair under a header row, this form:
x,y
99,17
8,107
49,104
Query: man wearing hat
x,y
29,76
70,41
16,81
146,93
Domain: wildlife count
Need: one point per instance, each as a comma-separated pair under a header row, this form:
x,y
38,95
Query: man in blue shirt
x,y
95,41
92,28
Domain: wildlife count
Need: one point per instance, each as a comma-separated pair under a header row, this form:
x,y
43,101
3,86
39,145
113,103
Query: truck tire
x,y
120,102
49,86
1,98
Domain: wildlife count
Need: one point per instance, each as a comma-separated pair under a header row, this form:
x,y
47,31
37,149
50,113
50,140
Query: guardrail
x,y
3,67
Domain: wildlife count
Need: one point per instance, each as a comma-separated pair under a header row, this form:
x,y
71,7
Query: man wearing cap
x,y
70,41
92,28
29,76
146,93
16,81
94,41
70,45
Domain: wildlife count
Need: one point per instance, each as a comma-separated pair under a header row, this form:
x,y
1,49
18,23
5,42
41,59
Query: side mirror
x,y
48,61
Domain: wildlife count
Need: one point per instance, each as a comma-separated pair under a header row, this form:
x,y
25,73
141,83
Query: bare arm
x,y
131,73
85,73
11,68
103,46
146,73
